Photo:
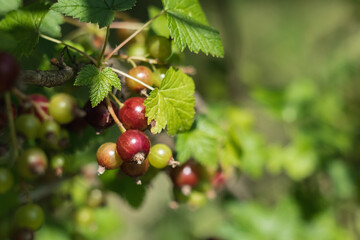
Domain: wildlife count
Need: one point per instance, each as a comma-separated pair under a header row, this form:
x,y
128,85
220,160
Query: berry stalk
x,y
11,126
113,114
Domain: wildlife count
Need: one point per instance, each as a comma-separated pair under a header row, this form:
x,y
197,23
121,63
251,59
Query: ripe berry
x,y
142,73
62,108
107,157
6,180
29,216
22,234
133,146
133,169
158,76
160,155
32,163
28,125
27,106
132,114
185,175
99,117
9,70
159,47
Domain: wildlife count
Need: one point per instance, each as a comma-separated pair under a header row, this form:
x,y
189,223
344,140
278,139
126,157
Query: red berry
x,y
133,146
107,157
99,117
42,101
186,175
142,73
9,70
133,169
132,114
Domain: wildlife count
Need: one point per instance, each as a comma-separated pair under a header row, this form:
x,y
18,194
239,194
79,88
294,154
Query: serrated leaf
x,y
99,81
172,104
188,26
7,6
101,12
201,143
160,24
23,25
51,24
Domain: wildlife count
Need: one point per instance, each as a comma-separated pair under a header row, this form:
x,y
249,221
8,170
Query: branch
x,y
50,78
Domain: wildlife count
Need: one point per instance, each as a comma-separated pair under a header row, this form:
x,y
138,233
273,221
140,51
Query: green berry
x,y
32,163
159,155
159,47
62,107
28,125
29,216
158,76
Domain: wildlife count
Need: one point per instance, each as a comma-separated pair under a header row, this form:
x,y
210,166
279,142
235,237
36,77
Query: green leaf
x,y
100,82
160,24
202,143
7,6
94,11
188,26
51,24
23,25
172,104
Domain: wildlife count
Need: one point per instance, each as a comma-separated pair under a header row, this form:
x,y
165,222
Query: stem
x,y
116,100
126,25
131,77
12,126
69,46
132,62
132,36
111,110
104,47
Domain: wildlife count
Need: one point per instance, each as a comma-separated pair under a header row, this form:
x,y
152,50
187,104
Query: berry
x,y
159,47
141,73
41,100
32,163
137,50
158,76
132,114
185,175
49,131
28,125
99,117
62,108
196,199
133,169
84,216
95,198
22,234
133,146
6,180
57,161
107,157
9,70
160,155
29,216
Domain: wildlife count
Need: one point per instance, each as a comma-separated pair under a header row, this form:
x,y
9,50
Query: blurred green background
x,y
288,91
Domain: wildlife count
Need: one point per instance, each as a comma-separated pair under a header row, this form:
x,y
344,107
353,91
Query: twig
x,y
132,36
126,25
74,48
